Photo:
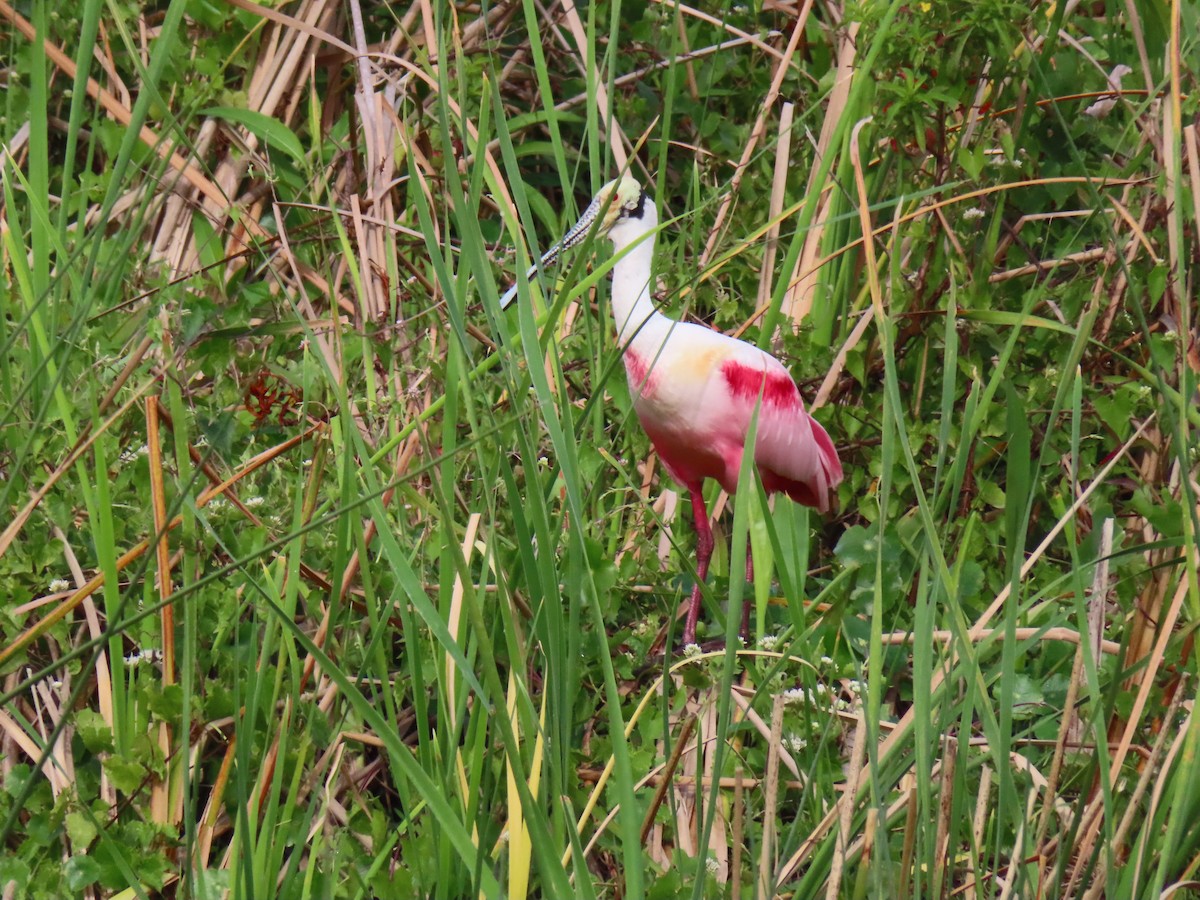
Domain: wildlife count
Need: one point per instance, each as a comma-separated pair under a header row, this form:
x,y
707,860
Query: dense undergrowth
x,y
322,576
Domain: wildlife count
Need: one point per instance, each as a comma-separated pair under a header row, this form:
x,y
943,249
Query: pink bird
x,y
695,390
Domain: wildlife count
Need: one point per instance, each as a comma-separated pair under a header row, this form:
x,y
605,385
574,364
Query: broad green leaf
x,y
268,129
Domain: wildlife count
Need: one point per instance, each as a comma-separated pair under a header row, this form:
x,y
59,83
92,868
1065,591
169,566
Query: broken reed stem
x,y
765,867
665,781
945,805
739,827
1067,635
908,788
845,810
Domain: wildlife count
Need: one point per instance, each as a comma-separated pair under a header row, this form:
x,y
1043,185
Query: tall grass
x,y
322,575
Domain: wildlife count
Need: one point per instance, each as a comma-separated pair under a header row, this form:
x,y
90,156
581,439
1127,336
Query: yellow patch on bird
x,y
698,365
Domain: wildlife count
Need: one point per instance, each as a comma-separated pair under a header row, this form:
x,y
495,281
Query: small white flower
x,y
794,742
768,641
826,661
59,584
134,453
252,502
712,865
691,651
148,655
972,214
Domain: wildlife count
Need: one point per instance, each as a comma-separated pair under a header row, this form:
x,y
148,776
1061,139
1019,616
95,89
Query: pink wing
x,y
793,452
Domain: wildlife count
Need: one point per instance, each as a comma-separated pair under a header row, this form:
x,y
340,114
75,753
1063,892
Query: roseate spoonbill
x,y
695,389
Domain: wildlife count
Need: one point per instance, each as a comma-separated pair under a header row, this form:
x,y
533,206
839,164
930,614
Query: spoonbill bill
x,y
695,390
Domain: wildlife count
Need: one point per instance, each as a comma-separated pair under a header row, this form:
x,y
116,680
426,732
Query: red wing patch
x,y
746,382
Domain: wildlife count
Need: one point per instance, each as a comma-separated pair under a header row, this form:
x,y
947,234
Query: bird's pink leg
x,y
704,551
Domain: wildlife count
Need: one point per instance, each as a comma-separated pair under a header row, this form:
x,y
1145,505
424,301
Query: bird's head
x,y
620,206
621,211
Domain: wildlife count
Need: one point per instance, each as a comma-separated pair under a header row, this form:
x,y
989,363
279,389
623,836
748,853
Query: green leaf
x,y
270,130
15,782
167,702
81,871
603,568
1027,697
15,872
80,829
211,884
1015,319
857,546
125,774
991,493
93,731
152,868
1156,282
972,160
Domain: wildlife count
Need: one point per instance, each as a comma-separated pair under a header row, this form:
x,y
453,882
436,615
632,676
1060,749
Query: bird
x,y
695,390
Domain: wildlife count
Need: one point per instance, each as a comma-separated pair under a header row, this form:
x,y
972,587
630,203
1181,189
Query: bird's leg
x,y
745,632
704,551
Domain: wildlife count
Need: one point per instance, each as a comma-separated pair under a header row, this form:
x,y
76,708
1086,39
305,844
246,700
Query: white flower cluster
x,y
148,655
794,743
820,697
134,453
768,642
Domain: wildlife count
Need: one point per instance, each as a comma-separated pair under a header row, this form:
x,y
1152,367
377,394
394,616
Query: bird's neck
x,y
632,307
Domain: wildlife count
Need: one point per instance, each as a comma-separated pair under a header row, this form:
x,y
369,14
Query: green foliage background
x,y
320,575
